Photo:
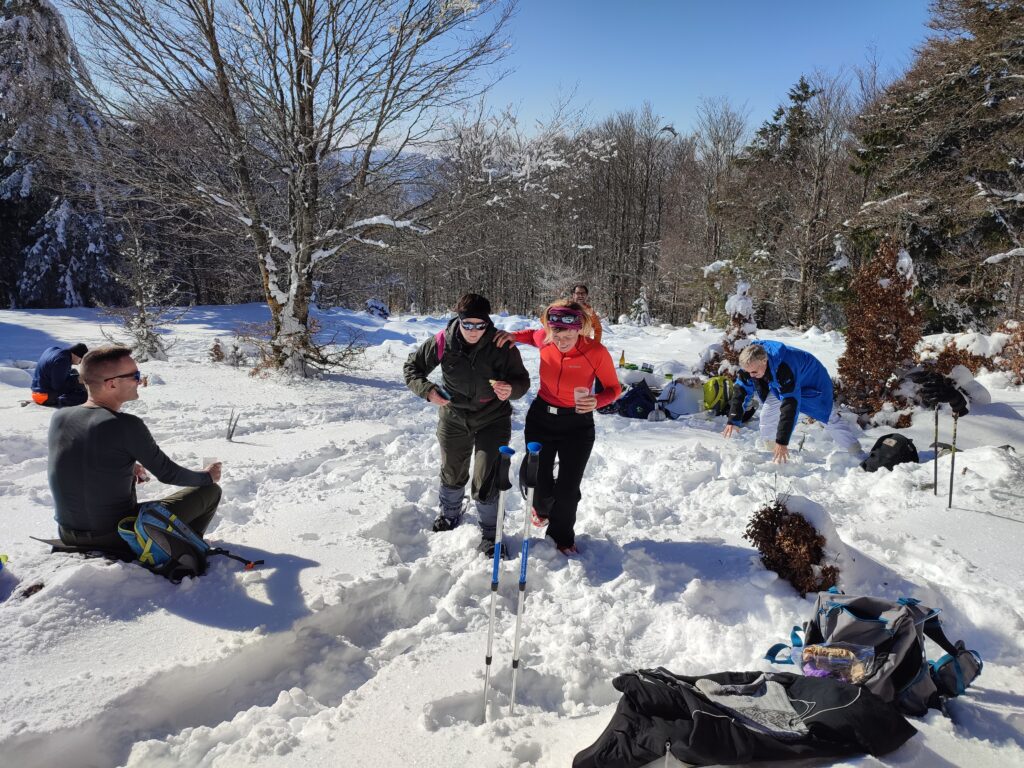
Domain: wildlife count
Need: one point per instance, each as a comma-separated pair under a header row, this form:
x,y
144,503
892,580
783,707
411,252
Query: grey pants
x,y
195,506
462,440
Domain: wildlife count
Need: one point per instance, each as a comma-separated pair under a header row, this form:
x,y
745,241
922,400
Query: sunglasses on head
x,y
137,375
565,319
469,325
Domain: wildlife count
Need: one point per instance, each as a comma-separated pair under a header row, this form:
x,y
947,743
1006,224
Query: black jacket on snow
x,y
660,710
467,371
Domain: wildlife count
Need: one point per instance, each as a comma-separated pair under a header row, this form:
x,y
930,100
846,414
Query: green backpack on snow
x,y
717,391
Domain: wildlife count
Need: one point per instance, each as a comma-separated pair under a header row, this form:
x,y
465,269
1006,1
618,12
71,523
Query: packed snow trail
x,y
361,642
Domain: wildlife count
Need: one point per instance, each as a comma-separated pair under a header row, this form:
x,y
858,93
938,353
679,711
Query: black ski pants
x,y
569,437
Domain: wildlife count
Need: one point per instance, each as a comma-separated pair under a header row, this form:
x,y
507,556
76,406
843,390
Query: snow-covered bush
x,y
640,311
216,353
722,358
1002,350
377,308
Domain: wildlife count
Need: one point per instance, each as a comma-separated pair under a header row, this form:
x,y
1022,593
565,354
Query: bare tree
x,y
309,109
721,131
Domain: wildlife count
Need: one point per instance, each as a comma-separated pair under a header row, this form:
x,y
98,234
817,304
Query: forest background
x,y
324,152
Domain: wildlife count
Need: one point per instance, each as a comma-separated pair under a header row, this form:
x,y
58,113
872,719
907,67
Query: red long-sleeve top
x,y
560,374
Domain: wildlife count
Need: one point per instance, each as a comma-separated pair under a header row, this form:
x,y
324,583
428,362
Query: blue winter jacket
x,y
794,375
54,374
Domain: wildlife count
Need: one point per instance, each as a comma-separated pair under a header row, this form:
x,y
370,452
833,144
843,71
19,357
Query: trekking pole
x,y
935,443
952,461
504,463
532,462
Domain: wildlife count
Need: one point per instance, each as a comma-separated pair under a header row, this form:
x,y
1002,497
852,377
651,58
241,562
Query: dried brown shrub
x,y
216,353
1011,359
951,356
790,546
881,335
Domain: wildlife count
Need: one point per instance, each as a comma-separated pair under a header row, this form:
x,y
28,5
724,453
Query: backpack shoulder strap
x,y
795,640
933,630
439,342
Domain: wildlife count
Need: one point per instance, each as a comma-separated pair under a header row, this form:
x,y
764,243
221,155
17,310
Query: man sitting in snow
x,y
788,382
55,383
97,455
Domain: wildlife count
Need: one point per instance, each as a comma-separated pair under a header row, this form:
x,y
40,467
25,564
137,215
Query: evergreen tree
x,y
151,296
56,244
941,153
794,197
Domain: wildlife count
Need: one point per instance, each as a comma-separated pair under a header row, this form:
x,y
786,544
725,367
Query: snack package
x,y
842,661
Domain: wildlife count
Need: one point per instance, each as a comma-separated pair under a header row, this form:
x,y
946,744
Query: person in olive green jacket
x,y
475,415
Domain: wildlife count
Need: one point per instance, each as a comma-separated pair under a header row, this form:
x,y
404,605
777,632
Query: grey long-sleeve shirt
x,y
92,466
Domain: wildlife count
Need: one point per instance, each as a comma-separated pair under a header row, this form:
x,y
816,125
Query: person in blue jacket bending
x,y
788,381
55,383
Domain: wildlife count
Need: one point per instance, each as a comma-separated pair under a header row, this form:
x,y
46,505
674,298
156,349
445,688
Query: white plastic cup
x,y
578,393
208,460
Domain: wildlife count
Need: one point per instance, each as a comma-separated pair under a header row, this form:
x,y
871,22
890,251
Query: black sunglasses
x,y
469,325
137,375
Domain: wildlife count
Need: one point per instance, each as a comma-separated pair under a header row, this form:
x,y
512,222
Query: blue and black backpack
x,y
167,546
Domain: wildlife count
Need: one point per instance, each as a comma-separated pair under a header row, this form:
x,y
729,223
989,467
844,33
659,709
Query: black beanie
x,y
474,305
78,350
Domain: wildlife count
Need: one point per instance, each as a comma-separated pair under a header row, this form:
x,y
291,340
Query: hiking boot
x,y
443,523
538,520
569,551
486,546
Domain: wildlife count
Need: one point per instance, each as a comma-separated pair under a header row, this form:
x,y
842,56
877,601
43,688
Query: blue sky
x,y
617,54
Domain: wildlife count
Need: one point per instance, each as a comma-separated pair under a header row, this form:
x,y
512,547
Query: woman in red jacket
x,y
560,421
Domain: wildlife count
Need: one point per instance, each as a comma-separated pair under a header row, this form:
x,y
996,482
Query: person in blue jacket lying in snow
x,y
788,381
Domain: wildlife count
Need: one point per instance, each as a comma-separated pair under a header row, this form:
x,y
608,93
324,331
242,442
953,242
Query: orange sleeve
x,y
530,336
597,326
605,370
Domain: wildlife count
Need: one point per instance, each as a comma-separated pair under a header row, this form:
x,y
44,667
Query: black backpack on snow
x,y
638,402
888,451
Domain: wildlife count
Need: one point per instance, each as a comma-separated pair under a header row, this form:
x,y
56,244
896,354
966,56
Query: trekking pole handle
x,y
532,462
504,465
505,454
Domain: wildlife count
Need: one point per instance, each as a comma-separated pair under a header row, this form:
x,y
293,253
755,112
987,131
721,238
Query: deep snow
x,y
362,641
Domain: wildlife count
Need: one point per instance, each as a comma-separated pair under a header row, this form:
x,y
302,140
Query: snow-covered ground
x,y
362,640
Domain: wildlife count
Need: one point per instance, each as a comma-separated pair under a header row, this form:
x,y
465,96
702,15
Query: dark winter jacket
x,y
466,372
796,378
92,455
54,375
729,718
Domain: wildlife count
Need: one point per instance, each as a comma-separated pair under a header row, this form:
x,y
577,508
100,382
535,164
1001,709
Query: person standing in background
x,y
581,295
